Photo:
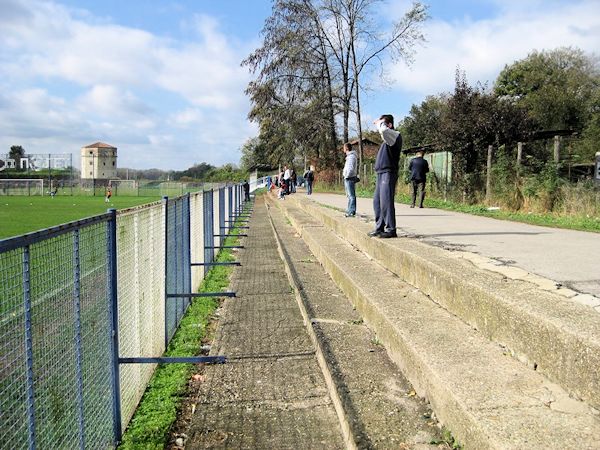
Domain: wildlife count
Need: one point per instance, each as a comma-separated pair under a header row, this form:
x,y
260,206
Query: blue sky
x,y
161,80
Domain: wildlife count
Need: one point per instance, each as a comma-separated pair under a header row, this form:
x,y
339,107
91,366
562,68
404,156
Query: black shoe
x,y
421,206
412,206
375,233
388,234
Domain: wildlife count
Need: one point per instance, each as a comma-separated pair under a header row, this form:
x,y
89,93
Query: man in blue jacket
x,y
418,168
386,167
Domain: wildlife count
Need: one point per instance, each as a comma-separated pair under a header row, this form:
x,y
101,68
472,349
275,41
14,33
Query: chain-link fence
x,y
88,305
56,379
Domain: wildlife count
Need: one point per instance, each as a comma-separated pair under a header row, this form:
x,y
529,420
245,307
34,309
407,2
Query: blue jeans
x,y
351,194
308,187
383,201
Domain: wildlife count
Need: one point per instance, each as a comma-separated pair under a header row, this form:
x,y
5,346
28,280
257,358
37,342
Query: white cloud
x,y
483,47
68,78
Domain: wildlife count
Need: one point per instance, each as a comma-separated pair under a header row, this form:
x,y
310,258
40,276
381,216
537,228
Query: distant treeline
x,y
198,172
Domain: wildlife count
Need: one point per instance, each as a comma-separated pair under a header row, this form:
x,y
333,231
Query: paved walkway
x,y
288,385
271,392
571,258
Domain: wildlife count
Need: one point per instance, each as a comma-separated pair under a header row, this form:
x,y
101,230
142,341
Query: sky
x,y
161,80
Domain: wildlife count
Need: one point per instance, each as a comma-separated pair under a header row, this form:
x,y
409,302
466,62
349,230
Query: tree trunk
x,y
356,86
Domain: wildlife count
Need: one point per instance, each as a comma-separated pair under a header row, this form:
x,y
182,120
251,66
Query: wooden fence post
x,y
556,149
488,183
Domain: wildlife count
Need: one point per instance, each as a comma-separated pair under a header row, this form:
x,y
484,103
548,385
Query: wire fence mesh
x,y
55,378
141,291
62,383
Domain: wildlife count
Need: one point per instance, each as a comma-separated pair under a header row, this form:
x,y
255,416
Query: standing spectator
x,y
269,182
246,187
349,173
418,176
309,177
108,194
386,167
293,180
286,178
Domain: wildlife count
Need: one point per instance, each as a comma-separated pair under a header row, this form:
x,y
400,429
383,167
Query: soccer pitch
x,y
23,214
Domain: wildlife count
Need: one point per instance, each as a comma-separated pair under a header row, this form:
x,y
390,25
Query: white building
x,y
99,162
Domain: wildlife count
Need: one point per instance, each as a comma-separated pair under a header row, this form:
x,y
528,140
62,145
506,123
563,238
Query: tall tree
x,y
313,60
422,124
351,30
292,94
16,153
474,119
555,86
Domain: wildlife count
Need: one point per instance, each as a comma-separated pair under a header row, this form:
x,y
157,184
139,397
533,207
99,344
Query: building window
x,y
103,163
90,173
91,162
113,163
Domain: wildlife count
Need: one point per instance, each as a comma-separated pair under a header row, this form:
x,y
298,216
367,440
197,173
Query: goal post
x,y
22,186
123,187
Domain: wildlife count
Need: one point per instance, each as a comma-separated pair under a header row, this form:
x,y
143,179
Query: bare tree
x,y
367,45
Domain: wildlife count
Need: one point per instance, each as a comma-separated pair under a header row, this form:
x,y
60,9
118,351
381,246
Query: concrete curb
x,y
551,334
487,399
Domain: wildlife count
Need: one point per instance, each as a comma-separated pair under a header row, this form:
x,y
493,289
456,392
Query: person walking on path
x,y
309,177
418,168
386,167
246,187
349,173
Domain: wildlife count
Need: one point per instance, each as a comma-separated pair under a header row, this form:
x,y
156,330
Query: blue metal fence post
x,y
221,216
29,348
230,204
205,230
114,316
77,337
188,247
211,225
176,253
166,210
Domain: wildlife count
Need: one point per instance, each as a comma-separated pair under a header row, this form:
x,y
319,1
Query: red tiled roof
x,y
99,145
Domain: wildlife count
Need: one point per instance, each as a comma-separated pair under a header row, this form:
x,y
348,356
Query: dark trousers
x,y
383,201
416,185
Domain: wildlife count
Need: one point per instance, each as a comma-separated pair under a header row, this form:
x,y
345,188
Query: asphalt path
x,y
571,258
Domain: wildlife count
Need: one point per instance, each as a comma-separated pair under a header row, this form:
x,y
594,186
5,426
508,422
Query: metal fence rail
x,y
87,308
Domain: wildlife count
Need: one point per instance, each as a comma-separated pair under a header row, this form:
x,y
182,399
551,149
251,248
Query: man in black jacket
x,y
418,176
386,167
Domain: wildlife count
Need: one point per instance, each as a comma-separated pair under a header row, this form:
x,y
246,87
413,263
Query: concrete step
x,y
487,398
380,408
551,334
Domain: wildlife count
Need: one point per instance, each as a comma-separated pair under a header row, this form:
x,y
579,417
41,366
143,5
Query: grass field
x,y
23,214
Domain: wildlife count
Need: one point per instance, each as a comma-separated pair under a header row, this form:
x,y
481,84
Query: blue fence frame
x,y
59,333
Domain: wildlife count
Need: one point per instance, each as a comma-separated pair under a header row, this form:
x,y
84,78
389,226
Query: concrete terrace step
x,y
545,330
487,398
380,409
